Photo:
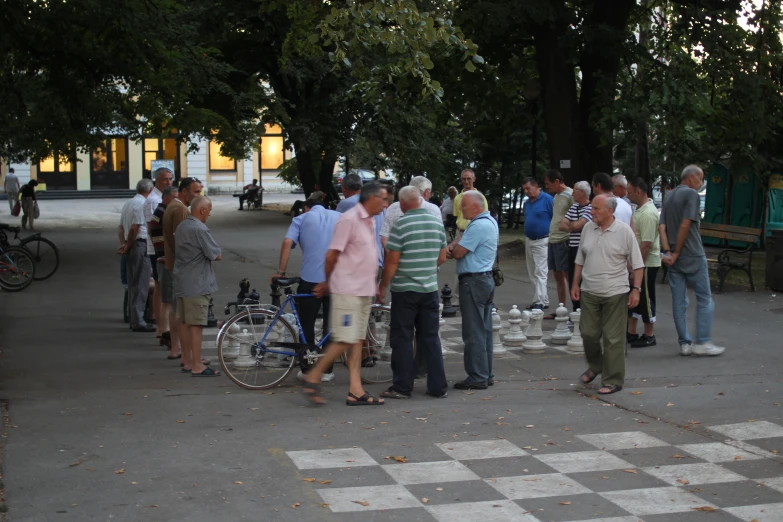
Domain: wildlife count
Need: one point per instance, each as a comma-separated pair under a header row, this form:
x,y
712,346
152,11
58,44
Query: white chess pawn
x,y
575,344
231,342
515,336
497,346
562,334
534,344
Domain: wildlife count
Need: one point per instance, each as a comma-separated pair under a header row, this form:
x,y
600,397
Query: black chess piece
x,y
211,319
244,289
254,296
275,295
448,308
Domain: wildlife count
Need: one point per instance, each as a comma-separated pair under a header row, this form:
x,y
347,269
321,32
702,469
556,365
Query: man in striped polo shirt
x,y
573,223
416,247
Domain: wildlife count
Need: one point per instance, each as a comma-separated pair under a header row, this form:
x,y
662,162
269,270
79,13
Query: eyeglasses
x,y
467,179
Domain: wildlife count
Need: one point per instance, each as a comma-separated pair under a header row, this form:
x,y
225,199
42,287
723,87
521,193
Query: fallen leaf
x,y
324,505
670,404
361,502
636,393
776,452
120,471
400,459
631,471
721,393
487,398
383,423
438,489
238,482
530,426
565,503
129,413
421,418
425,500
153,505
134,483
254,409
180,421
324,482
75,463
683,481
294,506
738,457
677,456
308,479
90,469
705,508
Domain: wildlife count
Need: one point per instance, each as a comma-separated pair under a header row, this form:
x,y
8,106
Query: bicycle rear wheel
x,y
45,255
250,352
376,356
17,269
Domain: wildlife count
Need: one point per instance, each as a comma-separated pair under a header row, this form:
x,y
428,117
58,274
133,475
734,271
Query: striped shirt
x,y
156,230
419,237
575,213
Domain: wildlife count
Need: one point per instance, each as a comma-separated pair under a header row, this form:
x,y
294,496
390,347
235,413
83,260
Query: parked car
x,y
366,175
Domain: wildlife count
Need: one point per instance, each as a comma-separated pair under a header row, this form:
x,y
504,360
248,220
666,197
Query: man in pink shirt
x,y
351,280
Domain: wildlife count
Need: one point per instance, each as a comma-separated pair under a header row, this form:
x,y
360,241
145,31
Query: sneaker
x,y
465,385
686,349
707,349
300,376
631,338
327,377
643,342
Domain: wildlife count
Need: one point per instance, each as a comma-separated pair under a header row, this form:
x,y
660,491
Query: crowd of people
x,y
604,253
164,238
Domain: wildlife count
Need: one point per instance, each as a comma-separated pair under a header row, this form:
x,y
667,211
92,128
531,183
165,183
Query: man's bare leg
x,y
176,348
331,354
561,276
633,325
195,334
354,360
165,314
184,342
156,309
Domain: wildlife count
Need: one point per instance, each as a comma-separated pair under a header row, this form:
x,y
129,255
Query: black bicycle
x,y
43,251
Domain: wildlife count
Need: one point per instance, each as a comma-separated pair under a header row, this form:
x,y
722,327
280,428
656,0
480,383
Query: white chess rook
x,y
497,347
231,348
245,359
534,344
575,344
562,334
515,336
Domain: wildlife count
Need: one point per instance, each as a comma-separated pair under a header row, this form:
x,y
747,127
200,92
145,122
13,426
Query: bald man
x,y
194,280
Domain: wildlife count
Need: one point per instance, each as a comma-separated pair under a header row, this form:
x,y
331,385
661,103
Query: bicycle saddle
x,y
286,282
5,226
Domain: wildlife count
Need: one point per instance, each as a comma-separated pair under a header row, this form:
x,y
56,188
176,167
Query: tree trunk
x,y
326,175
304,164
642,152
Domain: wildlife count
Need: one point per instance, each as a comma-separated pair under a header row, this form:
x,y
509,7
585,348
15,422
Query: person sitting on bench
x,y
251,194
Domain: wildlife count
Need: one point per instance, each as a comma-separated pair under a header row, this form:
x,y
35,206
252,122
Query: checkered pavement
x,y
614,477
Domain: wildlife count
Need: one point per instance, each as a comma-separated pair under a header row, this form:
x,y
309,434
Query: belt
x,y
537,238
142,239
473,274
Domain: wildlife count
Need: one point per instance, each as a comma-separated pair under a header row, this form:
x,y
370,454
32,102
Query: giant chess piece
x,y
244,289
497,345
246,357
448,308
275,295
231,344
534,344
525,321
211,319
515,336
562,334
575,344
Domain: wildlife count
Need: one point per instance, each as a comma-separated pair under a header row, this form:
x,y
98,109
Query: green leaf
x,y
470,67
313,38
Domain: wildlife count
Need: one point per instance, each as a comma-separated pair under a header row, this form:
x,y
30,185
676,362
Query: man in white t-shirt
x,y
603,184
12,188
163,178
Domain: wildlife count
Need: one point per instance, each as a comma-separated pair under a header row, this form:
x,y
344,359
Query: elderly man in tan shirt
x,y
606,249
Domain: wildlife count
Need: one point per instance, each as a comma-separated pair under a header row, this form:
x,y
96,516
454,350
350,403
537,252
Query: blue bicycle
x,y
259,346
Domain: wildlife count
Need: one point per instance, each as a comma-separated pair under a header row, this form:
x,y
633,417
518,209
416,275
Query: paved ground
x,y
101,427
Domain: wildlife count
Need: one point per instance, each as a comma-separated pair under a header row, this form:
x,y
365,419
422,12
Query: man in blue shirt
x,y
313,232
538,216
475,253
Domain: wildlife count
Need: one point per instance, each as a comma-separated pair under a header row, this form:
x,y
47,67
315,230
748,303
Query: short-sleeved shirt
x,y
347,204
150,204
447,208
538,216
604,255
394,213
133,214
175,214
356,270
575,213
313,232
645,224
28,191
419,237
462,223
623,212
11,182
193,274
481,241
684,203
562,202
156,231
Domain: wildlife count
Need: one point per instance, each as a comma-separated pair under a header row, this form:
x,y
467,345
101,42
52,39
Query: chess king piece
x,y
497,346
515,336
562,334
448,308
575,344
534,344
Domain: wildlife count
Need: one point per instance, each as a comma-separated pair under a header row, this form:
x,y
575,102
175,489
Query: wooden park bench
x,y
732,258
255,198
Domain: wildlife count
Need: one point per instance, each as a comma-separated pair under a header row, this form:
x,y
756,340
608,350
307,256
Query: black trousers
x,y
414,311
307,308
571,269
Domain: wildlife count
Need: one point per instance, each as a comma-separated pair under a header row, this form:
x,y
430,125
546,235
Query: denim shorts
x,y
558,256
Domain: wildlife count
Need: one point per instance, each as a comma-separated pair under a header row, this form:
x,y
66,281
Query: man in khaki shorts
x,y
351,279
194,279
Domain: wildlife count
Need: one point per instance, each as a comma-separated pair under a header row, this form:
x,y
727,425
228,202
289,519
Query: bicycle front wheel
x,y
255,349
45,255
376,356
17,269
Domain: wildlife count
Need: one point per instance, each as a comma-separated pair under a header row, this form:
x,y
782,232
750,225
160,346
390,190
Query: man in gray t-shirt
x,y
194,279
683,253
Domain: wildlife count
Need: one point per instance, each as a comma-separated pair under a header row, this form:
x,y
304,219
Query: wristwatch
x,y
639,288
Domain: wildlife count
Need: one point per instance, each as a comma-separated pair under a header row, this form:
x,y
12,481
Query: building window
x,y
156,149
57,172
63,164
110,156
272,148
219,162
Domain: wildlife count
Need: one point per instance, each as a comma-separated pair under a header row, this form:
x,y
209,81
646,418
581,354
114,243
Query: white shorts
x,y
348,318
